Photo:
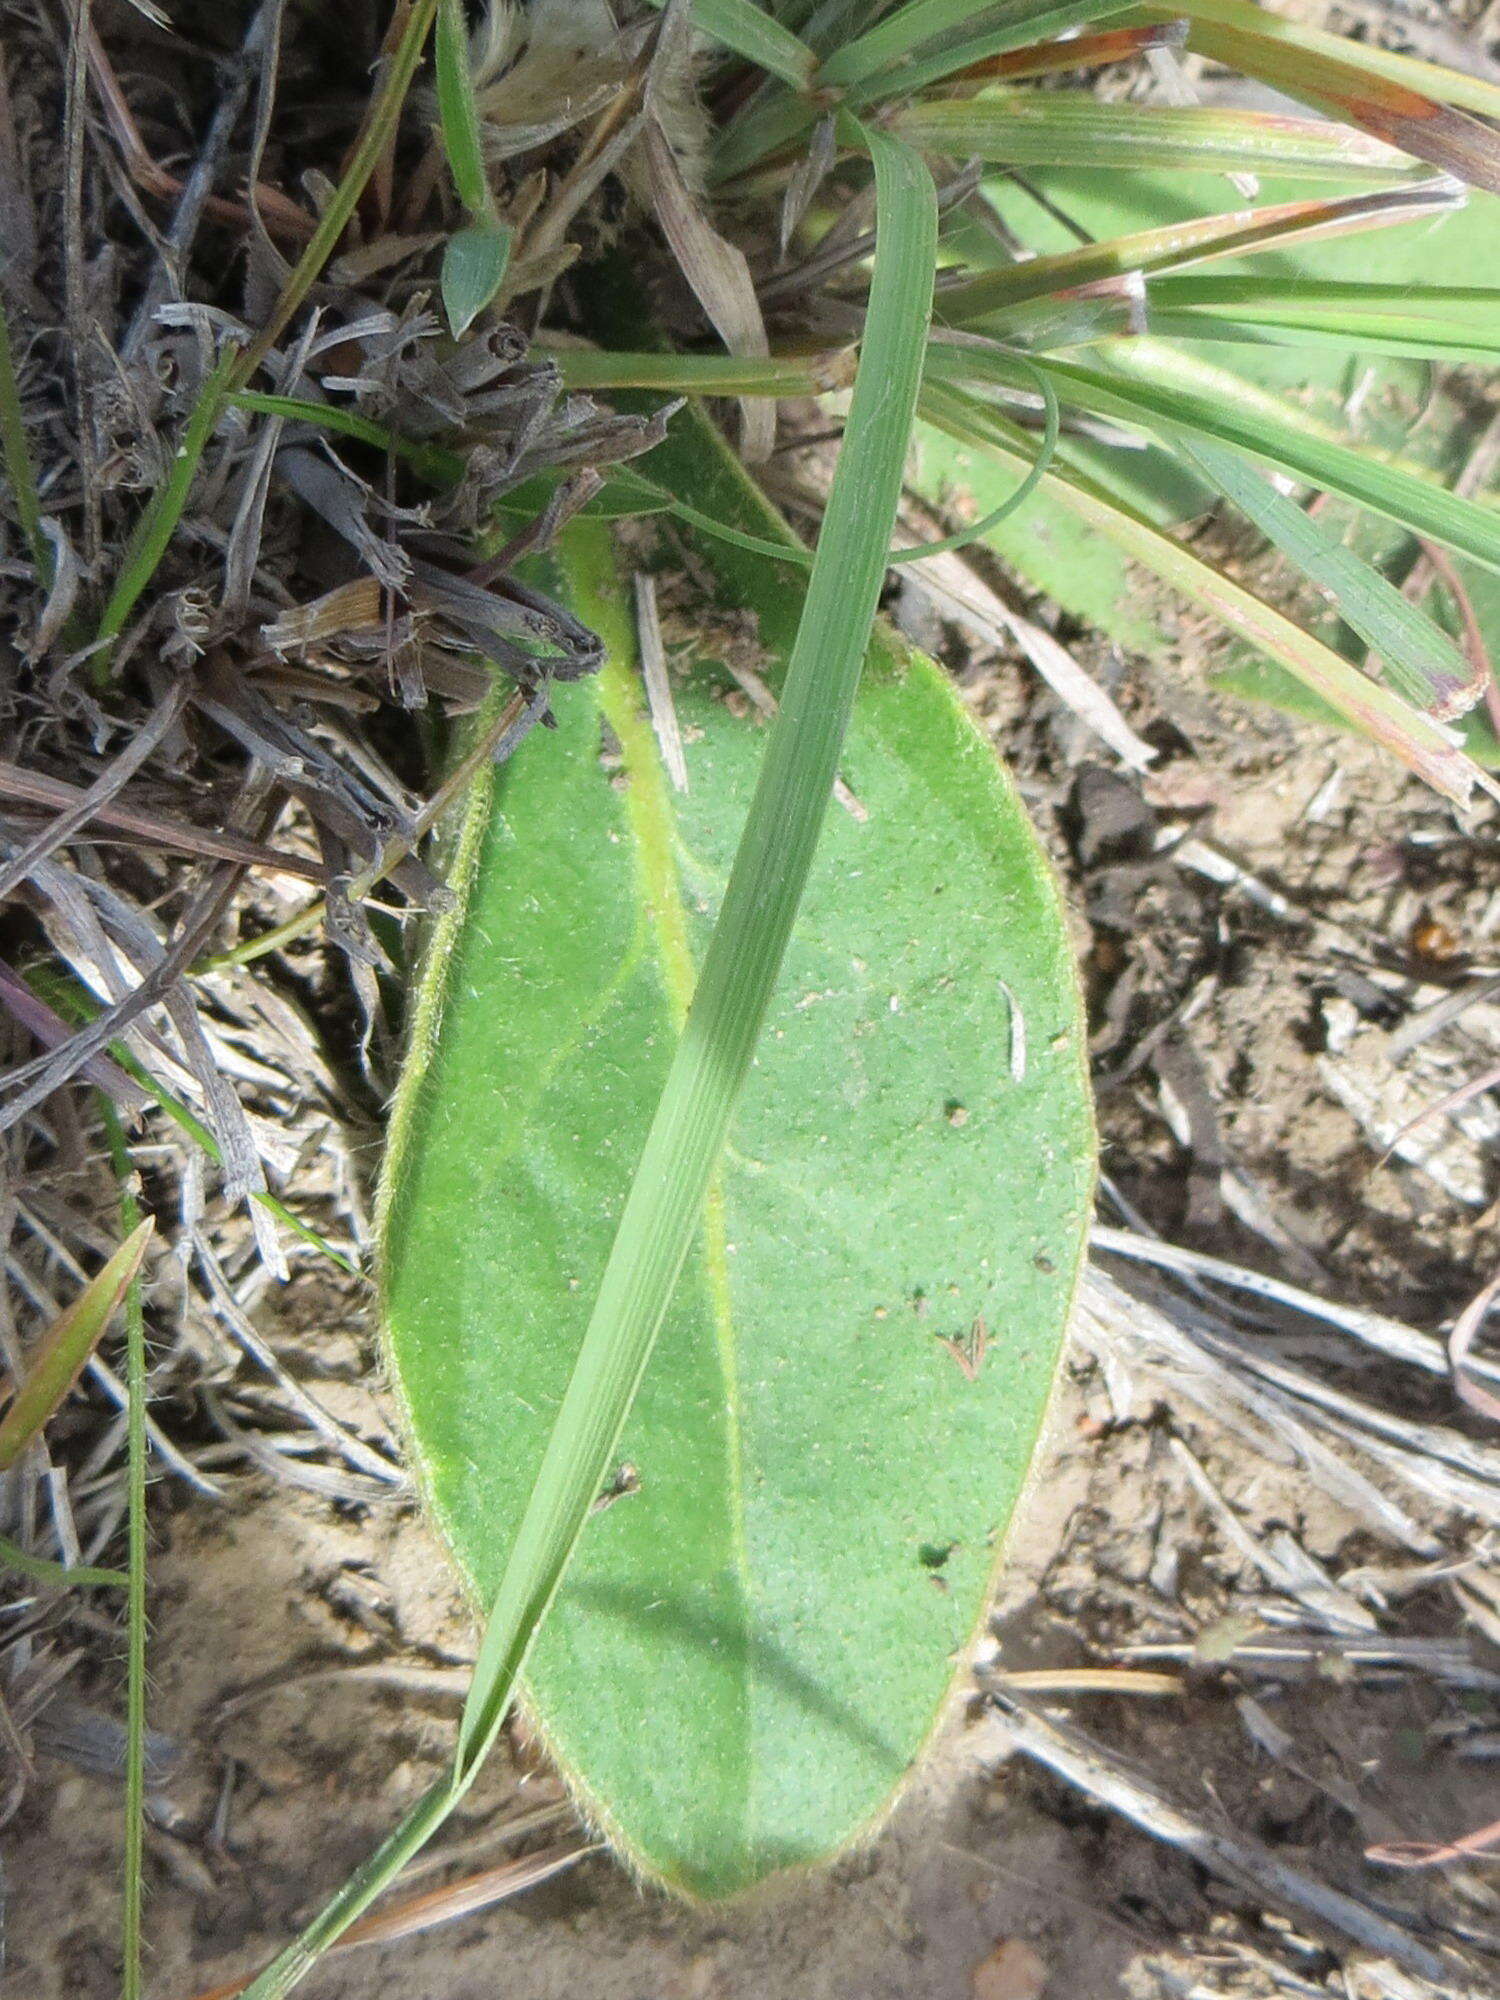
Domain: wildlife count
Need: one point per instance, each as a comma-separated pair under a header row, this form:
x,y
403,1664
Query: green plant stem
x,y
132,1913
156,527
718,1043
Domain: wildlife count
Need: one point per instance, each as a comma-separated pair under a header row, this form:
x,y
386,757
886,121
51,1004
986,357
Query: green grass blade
x,y
1009,28
67,1345
1055,128
866,70
378,130
433,461
1167,393
17,455
1448,323
1046,452
1421,661
76,1004
758,36
458,112
40,1570
700,374
719,1039
156,527
234,370
1377,712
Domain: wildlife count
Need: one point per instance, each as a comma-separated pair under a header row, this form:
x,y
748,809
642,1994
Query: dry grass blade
x,y
719,274
1392,110
64,1349
463,1898
1095,1771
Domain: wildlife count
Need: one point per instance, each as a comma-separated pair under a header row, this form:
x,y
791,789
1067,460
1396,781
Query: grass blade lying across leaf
x,y
1421,661
67,1345
745,952
718,1043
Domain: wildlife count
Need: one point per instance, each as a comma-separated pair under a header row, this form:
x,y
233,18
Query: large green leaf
x,y
758,1635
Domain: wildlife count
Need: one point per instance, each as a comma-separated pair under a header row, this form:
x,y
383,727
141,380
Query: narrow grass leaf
x,y
458,113
744,954
66,1346
1403,493
1449,323
235,370
158,524
1421,661
758,36
703,374
893,42
1003,509
1060,128
16,453
1108,45
1429,747
369,149
1197,240
55,1574
75,1004
134,1861
992,33
433,461
872,68
666,1197
474,265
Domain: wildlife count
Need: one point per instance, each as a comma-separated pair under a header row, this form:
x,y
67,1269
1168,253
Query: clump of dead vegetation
x,y
239,626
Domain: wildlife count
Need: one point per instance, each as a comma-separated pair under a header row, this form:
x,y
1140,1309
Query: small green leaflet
x,y
474,262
